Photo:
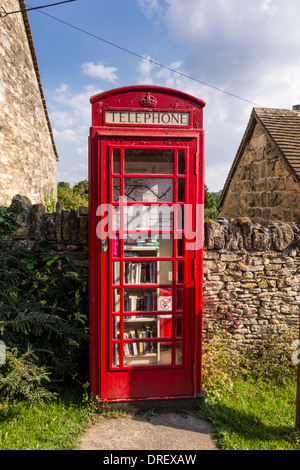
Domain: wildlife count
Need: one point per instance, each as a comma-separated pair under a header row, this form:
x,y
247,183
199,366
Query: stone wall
x,y
251,272
27,157
251,279
65,231
262,187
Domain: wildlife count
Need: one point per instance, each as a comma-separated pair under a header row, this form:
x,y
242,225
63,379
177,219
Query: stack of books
x,y
144,303
140,273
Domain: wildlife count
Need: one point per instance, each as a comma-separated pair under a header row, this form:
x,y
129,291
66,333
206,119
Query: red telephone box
x,y
146,175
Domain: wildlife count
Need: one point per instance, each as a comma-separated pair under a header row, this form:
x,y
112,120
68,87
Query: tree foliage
x,y
43,320
73,197
210,204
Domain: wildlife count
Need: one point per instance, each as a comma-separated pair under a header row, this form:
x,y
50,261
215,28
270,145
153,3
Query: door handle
x,y
104,246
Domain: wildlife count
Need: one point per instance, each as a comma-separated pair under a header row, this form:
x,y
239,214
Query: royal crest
x,y
148,101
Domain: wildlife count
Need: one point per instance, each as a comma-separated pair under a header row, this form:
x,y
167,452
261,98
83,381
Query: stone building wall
x,y
262,186
251,272
27,158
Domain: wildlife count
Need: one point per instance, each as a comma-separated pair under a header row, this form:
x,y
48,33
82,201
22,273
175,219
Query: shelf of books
x,y
139,301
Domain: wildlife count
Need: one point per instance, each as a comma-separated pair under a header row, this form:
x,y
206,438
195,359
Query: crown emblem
x,y
148,101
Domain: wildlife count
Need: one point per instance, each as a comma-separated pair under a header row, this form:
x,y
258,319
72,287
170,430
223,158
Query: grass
x,y
251,399
254,415
250,402
54,425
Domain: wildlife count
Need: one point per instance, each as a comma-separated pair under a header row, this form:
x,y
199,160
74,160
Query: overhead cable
x,y
170,69
5,13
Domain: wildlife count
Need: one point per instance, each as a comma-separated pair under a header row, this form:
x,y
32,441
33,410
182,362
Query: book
x,y
126,345
116,272
134,345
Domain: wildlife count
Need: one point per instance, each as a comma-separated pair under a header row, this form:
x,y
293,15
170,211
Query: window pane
x,y
148,217
146,326
149,161
179,352
179,301
149,189
181,162
116,355
140,300
152,272
116,273
147,353
181,189
116,300
116,161
179,277
116,189
116,327
160,245
179,326
180,246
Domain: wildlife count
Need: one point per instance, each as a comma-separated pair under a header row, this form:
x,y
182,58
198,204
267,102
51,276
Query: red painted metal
x,y
133,108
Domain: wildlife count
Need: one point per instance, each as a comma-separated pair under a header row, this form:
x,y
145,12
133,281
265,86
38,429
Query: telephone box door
x,y
147,267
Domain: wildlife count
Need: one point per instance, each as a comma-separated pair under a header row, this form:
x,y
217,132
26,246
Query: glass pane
x,y
140,300
145,353
116,161
152,272
149,189
165,326
116,355
116,217
179,325
116,273
153,217
179,276
181,189
181,162
179,352
116,189
146,244
180,246
116,300
180,217
139,326
179,297
116,327
115,246
165,300
149,161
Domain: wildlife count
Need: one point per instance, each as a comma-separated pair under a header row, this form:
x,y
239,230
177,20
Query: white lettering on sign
x,y
148,117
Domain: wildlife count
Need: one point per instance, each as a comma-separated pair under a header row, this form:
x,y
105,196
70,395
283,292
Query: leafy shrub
x,y
44,310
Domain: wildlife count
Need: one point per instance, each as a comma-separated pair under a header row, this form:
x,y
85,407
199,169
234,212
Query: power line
x,y
148,59
33,8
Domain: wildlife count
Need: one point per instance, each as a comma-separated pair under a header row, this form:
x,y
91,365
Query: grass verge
x,y
53,425
251,399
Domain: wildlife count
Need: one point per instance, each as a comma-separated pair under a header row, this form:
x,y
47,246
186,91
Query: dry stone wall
x,y
251,272
251,279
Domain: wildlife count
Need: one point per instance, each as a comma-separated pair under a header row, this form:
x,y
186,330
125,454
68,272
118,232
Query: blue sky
x,y
248,48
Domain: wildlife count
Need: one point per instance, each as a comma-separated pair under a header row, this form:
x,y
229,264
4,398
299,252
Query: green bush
x,y
43,320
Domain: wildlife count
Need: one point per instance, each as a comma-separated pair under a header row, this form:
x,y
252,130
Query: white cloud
x,y
150,7
145,71
100,71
